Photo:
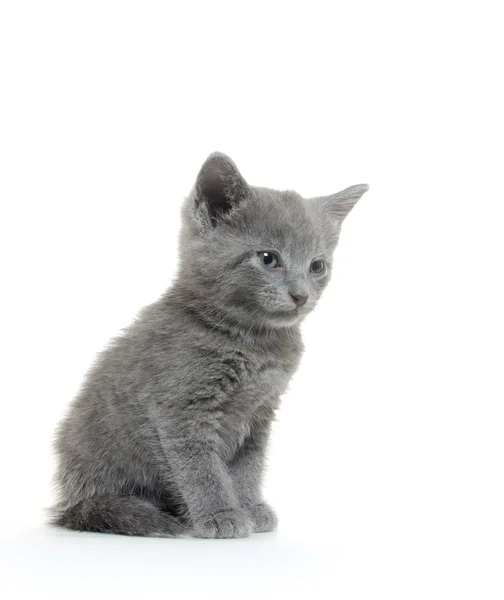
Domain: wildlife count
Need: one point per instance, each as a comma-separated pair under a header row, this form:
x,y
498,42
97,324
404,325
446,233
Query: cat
x,y
169,431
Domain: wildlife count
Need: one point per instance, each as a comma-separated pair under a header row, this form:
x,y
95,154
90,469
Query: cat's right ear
x,y
219,188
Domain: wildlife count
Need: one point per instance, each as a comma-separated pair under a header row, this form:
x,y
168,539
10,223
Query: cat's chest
x,y
262,387
254,400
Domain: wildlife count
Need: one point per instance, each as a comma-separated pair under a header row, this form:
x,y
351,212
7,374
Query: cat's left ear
x,y
339,205
220,187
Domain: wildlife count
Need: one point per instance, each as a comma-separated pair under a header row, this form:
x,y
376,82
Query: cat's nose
x,y
299,299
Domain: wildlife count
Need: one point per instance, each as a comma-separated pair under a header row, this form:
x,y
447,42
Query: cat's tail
x,y
125,515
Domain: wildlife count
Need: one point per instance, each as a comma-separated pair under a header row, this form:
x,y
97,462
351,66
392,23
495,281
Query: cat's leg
x,y
204,481
126,515
246,469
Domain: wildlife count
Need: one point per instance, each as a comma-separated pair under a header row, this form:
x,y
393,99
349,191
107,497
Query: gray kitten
x,y
169,432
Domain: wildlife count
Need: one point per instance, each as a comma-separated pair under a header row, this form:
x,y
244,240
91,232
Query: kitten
x,y
169,432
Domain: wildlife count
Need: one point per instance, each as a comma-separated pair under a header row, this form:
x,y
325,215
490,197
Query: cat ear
x,y
340,204
220,187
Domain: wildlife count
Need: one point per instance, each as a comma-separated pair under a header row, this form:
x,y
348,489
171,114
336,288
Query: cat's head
x,y
260,256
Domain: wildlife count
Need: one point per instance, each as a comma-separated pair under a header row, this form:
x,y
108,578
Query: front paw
x,y
234,523
264,518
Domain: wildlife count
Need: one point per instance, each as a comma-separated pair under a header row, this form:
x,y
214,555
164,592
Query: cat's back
x,y
168,349
168,352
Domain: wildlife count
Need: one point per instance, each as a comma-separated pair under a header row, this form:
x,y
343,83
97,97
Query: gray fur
x,y
168,433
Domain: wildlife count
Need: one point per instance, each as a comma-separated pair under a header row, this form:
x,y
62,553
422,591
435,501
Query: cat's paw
x,y
264,517
234,523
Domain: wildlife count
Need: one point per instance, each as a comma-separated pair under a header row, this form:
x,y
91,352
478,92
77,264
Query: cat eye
x,y
269,259
317,266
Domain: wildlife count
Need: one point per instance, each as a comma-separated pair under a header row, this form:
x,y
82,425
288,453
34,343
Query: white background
x,y
386,466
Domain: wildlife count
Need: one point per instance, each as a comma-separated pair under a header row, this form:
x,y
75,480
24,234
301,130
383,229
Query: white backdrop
x,y
386,466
